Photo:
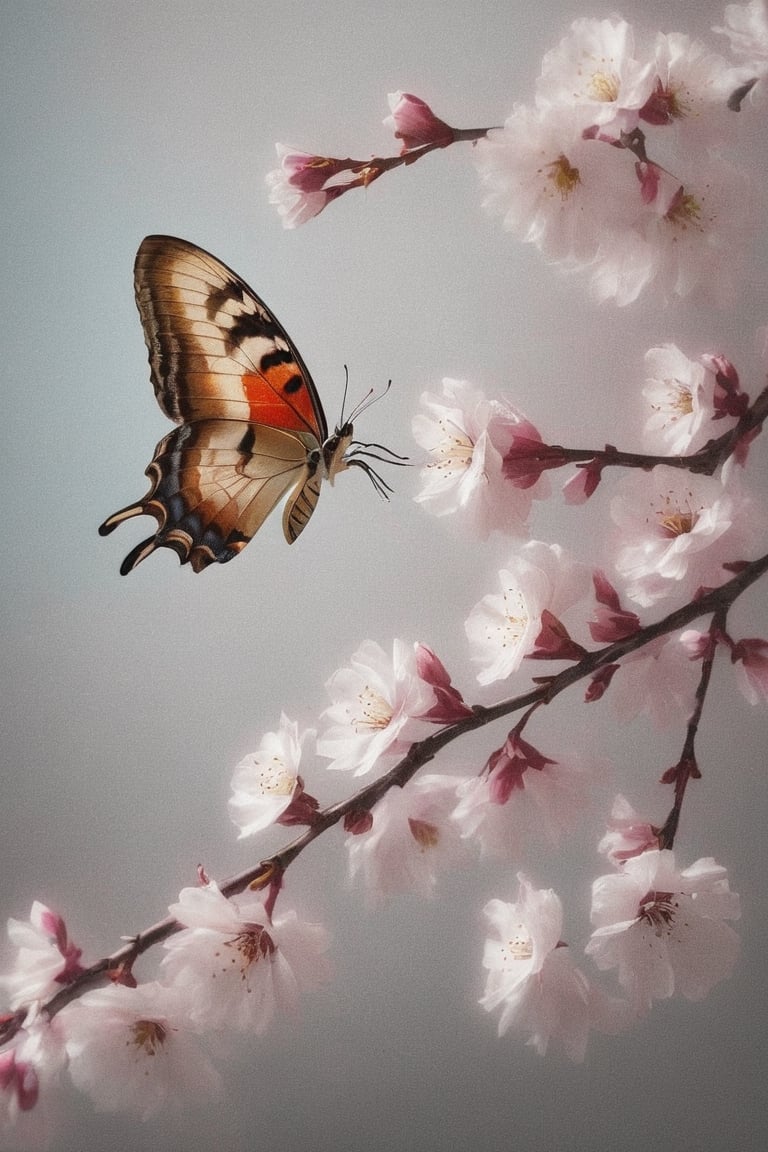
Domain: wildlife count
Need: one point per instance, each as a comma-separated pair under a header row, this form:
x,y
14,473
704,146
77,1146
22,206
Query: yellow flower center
x,y
681,398
275,779
375,712
425,834
149,1036
677,106
562,176
250,946
518,947
678,523
685,210
454,453
604,86
659,909
509,631
676,516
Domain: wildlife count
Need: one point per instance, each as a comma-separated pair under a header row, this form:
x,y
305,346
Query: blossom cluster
x,y
137,1046
619,167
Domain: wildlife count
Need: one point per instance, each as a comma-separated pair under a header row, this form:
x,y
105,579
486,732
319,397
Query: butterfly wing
x,y
252,426
214,482
215,349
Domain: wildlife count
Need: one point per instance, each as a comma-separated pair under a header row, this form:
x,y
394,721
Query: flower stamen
x,y
563,176
149,1036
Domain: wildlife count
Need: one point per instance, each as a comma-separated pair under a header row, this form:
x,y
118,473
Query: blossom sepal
x,y
449,706
507,764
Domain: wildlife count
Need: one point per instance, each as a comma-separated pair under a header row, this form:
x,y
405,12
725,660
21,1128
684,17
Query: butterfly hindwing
x,y
214,482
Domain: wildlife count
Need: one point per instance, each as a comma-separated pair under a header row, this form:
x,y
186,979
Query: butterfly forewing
x,y
215,349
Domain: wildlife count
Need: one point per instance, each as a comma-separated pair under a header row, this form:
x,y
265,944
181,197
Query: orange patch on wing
x,y
274,398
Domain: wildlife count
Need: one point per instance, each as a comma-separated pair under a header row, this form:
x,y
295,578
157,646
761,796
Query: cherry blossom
x,y
523,793
662,929
30,1092
750,660
22,1118
412,839
129,1048
728,399
680,528
234,965
532,977
681,396
689,238
746,26
658,680
578,178
628,835
467,436
305,184
549,183
18,1084
266,786
46,958
503,629
414,122
595,67
376,703
691,87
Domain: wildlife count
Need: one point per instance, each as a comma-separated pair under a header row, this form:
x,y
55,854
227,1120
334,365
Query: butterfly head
x,y
335,450
341,451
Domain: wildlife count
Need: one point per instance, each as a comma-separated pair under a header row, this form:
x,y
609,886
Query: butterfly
x,y
252,427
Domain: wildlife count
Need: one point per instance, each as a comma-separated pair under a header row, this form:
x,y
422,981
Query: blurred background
x,y
127,702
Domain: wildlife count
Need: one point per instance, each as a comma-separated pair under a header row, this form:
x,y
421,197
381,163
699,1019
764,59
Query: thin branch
x,y
704,461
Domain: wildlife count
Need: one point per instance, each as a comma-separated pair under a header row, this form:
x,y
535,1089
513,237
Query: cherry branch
x,y
269,872
370,170
704,461
687,767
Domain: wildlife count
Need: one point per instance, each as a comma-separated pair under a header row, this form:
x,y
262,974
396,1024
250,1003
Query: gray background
x,y
127,702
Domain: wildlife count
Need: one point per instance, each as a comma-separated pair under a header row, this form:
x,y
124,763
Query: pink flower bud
x,y
414,122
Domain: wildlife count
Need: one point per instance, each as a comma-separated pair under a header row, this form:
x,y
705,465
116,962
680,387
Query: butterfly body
x,y
252,427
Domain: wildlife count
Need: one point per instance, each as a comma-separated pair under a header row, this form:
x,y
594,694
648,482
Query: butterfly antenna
x,y
366,402
344,397
359,447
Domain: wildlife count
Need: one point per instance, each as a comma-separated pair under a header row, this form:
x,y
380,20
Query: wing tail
x,y
213,484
